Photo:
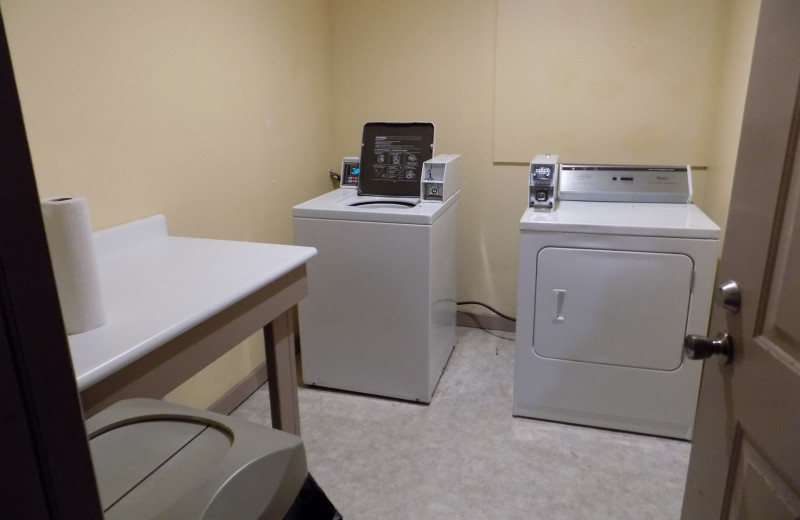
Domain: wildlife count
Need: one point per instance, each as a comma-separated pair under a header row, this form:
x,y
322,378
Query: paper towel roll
x,y
69,236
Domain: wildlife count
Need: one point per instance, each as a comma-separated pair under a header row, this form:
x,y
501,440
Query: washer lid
x,y
621,218
344,204
391,158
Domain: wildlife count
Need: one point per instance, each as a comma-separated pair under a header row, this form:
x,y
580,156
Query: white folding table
x,y
175,304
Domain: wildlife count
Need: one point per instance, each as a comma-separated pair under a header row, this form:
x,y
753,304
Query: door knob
x,y
729,296
702,347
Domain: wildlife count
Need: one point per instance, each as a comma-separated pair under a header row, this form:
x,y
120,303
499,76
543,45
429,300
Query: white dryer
x,y
609,283
380,315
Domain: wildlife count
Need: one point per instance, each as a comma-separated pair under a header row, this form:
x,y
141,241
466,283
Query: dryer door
x,y
625,308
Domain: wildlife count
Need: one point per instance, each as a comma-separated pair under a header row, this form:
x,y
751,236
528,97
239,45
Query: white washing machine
x,y
380,315
610,281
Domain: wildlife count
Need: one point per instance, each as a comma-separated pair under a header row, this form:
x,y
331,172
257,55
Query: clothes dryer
x,y
380,315
609,284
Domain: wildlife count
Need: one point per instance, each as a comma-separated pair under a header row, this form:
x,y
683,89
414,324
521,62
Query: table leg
x,y
282,373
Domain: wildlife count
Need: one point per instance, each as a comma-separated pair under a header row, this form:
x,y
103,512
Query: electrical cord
x,y
506,316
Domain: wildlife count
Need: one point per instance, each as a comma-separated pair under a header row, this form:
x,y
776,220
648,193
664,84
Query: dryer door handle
x,y
560,294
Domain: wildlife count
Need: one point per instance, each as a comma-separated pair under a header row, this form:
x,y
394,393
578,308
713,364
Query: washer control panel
x,y
350,170
441,177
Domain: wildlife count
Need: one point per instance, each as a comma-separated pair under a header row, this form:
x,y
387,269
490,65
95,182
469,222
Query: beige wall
x,y
617,81
738,37
439,61
214,113
434,61
223,114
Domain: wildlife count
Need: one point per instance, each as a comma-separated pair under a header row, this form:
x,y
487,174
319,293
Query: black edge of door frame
x,y
47,468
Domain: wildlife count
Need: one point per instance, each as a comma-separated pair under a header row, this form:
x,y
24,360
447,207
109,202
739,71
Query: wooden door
x,y
46,471
745,459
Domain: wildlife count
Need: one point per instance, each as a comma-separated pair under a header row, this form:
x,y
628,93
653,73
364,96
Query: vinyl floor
x,y
465,456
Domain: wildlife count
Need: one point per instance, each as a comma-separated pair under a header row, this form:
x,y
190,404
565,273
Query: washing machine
x,y
380,315
611,278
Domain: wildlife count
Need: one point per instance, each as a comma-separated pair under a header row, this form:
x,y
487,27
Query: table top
x,y
156,287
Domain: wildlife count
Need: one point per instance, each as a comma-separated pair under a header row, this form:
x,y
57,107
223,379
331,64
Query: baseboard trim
x,y
241,391
484,321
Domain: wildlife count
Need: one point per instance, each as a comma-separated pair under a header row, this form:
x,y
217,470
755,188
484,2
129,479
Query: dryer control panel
x,y
542,182
622,183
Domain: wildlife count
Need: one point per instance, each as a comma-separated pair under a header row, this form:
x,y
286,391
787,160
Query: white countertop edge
x,y
143,348
112,242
